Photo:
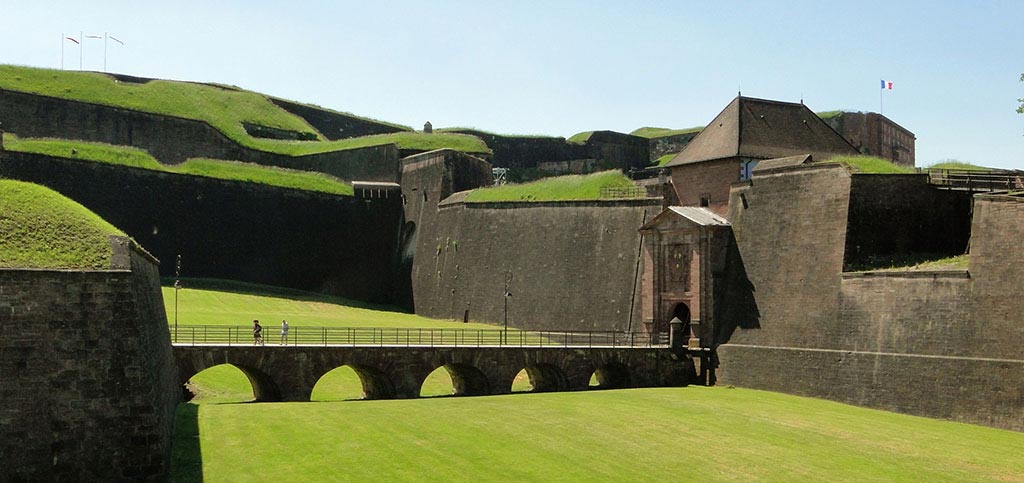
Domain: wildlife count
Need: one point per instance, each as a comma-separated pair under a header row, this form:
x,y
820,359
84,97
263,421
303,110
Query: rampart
x,y
89,382
335,125
339,245
172,140
937,344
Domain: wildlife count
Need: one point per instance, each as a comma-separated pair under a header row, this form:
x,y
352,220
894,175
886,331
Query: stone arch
x,y
338,384
467,380
613,375
264,389
376,384
547,377
682,312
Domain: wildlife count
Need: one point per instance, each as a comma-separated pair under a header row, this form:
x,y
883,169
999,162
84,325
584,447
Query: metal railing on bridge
x,y
977,180
410,337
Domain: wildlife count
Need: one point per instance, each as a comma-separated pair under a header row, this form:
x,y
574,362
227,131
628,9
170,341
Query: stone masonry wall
x,y
89,382
235,230
938,344
675,143
172,140
712,179
573,264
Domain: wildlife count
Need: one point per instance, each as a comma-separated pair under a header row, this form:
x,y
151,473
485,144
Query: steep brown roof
x,y
763,129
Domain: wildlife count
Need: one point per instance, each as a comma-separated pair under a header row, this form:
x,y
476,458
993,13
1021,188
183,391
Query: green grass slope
x,y
222,302
872,165
668,434
558,188
224,108
955,165
660,132
210,168
40,228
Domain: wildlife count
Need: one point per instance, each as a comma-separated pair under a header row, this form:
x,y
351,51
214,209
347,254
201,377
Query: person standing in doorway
x,y
257,332
284,332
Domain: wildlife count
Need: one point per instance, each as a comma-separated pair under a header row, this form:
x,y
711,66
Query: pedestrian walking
x,y
284,332
257,332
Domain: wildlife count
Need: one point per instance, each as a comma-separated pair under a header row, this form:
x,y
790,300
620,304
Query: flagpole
x,y
104,51
62,50
81,45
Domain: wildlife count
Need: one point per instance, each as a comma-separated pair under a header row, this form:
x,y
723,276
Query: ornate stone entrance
x,y
684,260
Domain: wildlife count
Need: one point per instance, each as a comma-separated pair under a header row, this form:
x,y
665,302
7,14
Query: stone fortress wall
x,y
938,344
86,356
172,140
341,245
573,265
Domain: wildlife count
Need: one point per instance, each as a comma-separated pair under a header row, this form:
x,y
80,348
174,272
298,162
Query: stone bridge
x,y
289,373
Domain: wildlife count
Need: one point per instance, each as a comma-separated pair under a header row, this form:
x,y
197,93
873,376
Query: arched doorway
x,y
682,312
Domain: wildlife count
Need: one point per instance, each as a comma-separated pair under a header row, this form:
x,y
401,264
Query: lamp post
x,y
177,286
508,295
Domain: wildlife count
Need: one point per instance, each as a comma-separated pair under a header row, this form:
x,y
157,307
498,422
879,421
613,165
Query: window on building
x,y
705,199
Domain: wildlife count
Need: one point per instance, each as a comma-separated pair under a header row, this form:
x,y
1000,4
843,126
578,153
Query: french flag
x,y
886,85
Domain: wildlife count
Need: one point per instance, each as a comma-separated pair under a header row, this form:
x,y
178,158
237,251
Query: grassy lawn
x,y
40,228
910,262
210,168
223,108
221,302
660,132
558,188
667,434
872,165
663,160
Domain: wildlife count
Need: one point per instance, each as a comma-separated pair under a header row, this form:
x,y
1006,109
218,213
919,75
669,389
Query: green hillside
x,y
40,228
872,165
223,107
667,434
660,132
558,188
210,168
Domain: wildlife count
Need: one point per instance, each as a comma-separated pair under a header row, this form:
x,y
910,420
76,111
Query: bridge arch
x,y
545,377
612,375
375,383
467,380
263,386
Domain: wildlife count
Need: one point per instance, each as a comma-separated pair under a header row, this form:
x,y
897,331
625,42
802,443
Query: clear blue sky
x,y
560,67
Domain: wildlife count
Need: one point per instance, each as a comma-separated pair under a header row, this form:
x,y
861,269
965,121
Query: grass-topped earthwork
x,y
226,109
40,228
872,165
660,132
706,434
580,137
954,165
576,187
210,168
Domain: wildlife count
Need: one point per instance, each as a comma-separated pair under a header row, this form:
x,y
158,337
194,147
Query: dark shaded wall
x,y
938,344
893,214
663,145
172,140
611,149
526,151
235,230
335,125
89,382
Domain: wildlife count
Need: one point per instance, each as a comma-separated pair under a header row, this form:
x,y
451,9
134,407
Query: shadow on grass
x,y
245,288
186,457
